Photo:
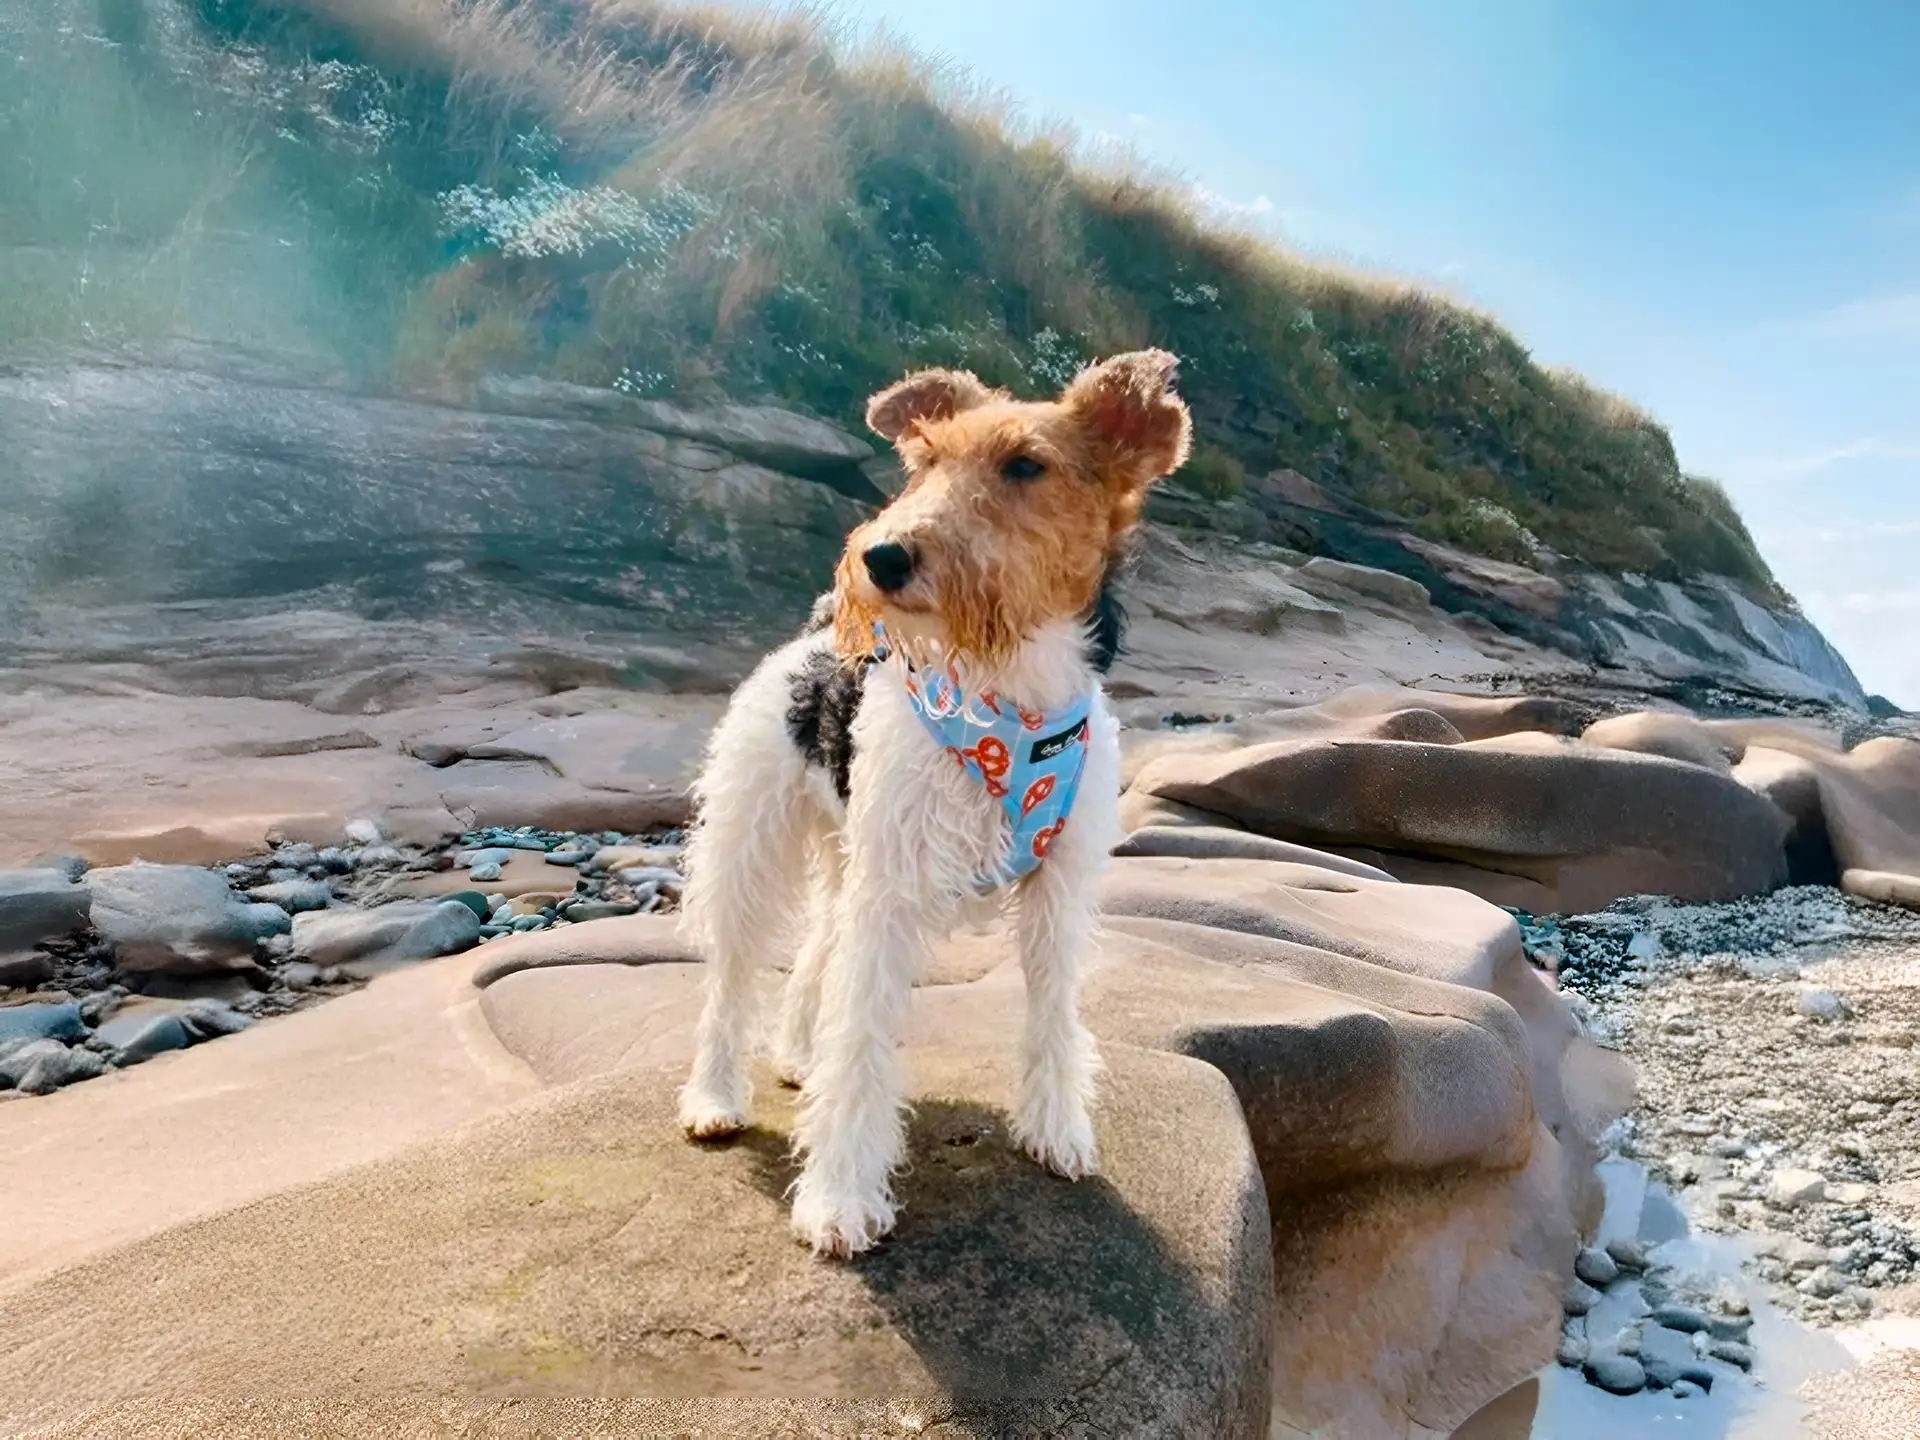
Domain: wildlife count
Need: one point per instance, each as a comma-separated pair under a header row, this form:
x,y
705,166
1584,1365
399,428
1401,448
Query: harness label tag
x,y
1055,744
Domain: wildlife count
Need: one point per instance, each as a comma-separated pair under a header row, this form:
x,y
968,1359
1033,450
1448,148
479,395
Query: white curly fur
x,y
868,888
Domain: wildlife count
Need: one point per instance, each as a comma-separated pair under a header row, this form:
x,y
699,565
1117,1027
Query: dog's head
x,y
1012,509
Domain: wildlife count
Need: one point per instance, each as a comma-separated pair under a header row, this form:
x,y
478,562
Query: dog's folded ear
x,y
1141,424
927,395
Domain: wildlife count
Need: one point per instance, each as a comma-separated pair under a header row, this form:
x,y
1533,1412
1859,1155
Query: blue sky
x,y
1711,207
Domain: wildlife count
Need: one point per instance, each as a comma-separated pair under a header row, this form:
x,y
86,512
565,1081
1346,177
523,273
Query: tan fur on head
x,y
1012,509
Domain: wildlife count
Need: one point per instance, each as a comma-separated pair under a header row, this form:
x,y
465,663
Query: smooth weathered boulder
x,y
39,904
1678,737
1589,824
1214,842
365,941
178,919
1368,580
579,1245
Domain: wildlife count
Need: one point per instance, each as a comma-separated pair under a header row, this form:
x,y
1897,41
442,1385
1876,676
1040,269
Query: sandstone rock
x,y
39,904
178,919
1678,737
1591,824
1526,590
1211,842
363,942
1475,717
1143,1305
1365,580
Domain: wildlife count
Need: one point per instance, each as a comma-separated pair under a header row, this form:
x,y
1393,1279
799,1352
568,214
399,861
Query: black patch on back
x,y
826,697
1106,625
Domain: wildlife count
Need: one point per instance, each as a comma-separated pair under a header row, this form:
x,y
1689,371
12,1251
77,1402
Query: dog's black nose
x,y
890,565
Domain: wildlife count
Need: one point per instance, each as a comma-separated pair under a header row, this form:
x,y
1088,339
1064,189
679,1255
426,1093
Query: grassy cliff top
x,y
677,201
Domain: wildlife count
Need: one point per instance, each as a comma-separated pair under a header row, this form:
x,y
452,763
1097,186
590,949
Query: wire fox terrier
x,y
923,745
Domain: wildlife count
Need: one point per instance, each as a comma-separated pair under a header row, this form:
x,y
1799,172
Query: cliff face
x,y
181,505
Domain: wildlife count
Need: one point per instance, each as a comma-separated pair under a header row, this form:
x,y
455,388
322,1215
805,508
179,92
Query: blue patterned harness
x,y
1029,761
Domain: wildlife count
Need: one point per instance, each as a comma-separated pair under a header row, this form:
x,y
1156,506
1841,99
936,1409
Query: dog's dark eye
x,y
1023,467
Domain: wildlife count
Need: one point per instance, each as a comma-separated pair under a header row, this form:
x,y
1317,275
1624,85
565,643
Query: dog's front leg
x,y
1058,1061
850,1133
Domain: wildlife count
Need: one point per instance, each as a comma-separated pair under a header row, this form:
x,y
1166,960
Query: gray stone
x,y
297,856
38,905
299,975
1729,1327
1627,1254
486,870
54,1065
142,1034
1618,1374
1686,1318
529,922
178,919
42,1021
295,896
1822,1005
1572,1352
649,875
1687,1389
488,855
1580,1298
598,910
404,931
210,1019
569,857
472,899
334,861
1596,1267
1668,1355
1733,1352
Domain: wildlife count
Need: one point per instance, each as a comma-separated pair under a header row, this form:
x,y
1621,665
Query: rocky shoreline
x,y
104,969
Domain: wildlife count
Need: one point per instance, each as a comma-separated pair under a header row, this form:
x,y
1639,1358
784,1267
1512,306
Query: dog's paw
x,y
705,1117
840,1227
1065,1146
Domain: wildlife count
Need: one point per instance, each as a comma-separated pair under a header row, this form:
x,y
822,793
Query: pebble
x,y
1572,1352
57,1065
1733,1352
598,910
143,1034
485,870
1580,1298
1821,1005
205,1019
1596,1267
1627,1254
529,922
1686,1390
487,855
1789,1189
334,861
472,899
569,857
1685,1318
1668,1355
648,875
294,896
1617,1374
299,975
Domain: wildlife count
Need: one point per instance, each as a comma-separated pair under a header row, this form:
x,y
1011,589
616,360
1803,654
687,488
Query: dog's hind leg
x,y
746,874
800,1006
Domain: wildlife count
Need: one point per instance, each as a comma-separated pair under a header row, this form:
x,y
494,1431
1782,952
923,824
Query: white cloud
x,y
1897,314
1866,448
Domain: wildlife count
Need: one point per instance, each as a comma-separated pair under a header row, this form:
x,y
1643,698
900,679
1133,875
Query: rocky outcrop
x,y
1325,1094
178,919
